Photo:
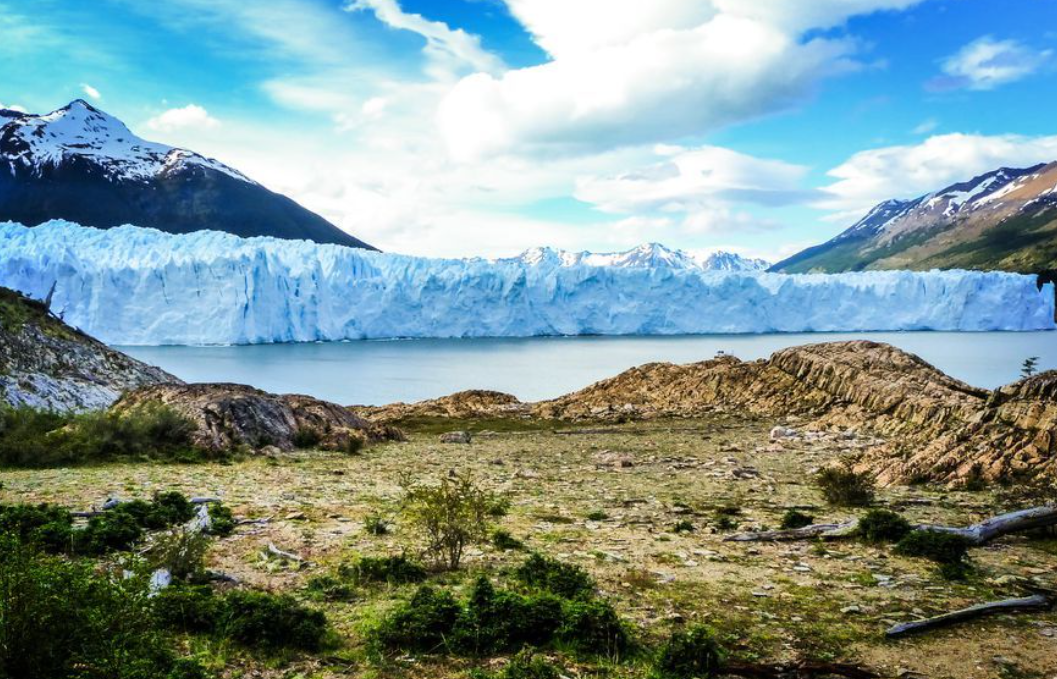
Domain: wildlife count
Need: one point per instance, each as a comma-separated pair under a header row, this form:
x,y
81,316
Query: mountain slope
x,y
1003,220
45,363
79,164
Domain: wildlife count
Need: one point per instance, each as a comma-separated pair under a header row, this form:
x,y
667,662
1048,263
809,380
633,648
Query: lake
x,y
378,372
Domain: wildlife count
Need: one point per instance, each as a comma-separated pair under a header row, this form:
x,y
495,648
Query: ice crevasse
x,y
130,285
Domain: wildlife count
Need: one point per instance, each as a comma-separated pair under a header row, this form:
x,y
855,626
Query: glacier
x,y
130,285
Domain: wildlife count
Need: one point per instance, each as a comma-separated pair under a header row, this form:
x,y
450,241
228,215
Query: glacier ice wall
x,y
130,285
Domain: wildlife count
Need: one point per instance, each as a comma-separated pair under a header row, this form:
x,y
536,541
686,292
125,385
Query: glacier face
x,y
130,285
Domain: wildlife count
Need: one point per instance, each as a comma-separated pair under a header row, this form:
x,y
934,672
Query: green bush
x,y
550,575
793,519
180,551
60,618
453,513
938,546
34,438
392,570
683,526
329,588
50,527
597,515
422,624
188,608
271,621
844,487
306,438
592,627
882,525
689,654
164,510
376,525
503,540
524,665
107,532
498,621
221,520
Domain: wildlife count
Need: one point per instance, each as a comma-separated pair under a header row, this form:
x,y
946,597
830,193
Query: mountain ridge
x,y
1000,220
83,165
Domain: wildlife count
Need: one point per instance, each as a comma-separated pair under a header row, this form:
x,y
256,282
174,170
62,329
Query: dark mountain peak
x,y
84,165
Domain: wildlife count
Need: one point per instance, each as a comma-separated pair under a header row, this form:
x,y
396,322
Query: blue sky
x,y
484,127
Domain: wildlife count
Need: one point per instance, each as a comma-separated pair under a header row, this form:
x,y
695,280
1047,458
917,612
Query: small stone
x,y
782,433
295,516
271,451
455,437
851,609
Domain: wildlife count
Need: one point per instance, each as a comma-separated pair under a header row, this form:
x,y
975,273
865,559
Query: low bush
x,y
35,438
329,588
565,580
882,525
392,570
188,608
271,621
180,551
498,621
61,618
502,539
592,627
794,519
844,487
597,515
306,438
221,520
943,548
453,513
422,624
689,654
526,664
683,526
376,525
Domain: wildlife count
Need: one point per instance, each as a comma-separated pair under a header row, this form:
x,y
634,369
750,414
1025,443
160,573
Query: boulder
x,y
456,437
232,415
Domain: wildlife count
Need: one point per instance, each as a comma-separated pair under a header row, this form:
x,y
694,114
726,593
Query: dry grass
x,y
769,600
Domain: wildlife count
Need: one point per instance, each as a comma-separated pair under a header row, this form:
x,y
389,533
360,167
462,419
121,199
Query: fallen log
x,y
1037,602
289,556
805,670
977,534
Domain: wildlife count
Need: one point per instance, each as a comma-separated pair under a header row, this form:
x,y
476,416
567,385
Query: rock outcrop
x,y
463,405
45,363
229,416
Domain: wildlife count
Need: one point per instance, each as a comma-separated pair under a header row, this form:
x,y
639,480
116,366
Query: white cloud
x,y
986,63
643,72
448,50
91,91
869,177
191,116
691,179
925,126
13,107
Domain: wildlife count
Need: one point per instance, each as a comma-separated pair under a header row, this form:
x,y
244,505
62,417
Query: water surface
x,y
378,372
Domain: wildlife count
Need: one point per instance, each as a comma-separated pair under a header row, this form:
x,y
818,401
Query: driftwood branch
x,y
806,670
977,534
1035,602
289,556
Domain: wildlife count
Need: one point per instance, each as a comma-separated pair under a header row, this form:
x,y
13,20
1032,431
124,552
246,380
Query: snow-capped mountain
x,y
649,255
81,164
129,285
1003,220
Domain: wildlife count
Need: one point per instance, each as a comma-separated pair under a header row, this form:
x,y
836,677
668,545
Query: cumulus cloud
x,y
869,177
448,49
13,107
986,63
91,91
688,180
191,116
628,73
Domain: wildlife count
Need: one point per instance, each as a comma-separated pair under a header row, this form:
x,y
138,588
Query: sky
x,y
485,127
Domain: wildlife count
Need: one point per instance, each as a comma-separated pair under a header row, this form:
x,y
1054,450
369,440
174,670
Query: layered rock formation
x,y
935,427
45,363
232,415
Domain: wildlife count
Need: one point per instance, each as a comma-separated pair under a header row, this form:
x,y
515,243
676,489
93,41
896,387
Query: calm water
x,y
377,372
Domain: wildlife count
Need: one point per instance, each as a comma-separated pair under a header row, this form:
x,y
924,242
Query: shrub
x,y
528,665
165,510
180,551
221,520
454,513
188,608
392,570
355,444
497,621
502,539
550,575
938,546
421,624
593,627
597,515
690,654
48,526
375,525
882,525
683,526
107,532
271,621
60,618
793,519
306,438
329,588
35,438
844,487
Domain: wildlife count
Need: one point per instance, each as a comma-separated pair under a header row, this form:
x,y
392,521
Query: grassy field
x,y
609,499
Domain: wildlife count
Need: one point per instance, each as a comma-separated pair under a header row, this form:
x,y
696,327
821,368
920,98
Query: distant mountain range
x,y
82,165
1003,220
649,255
